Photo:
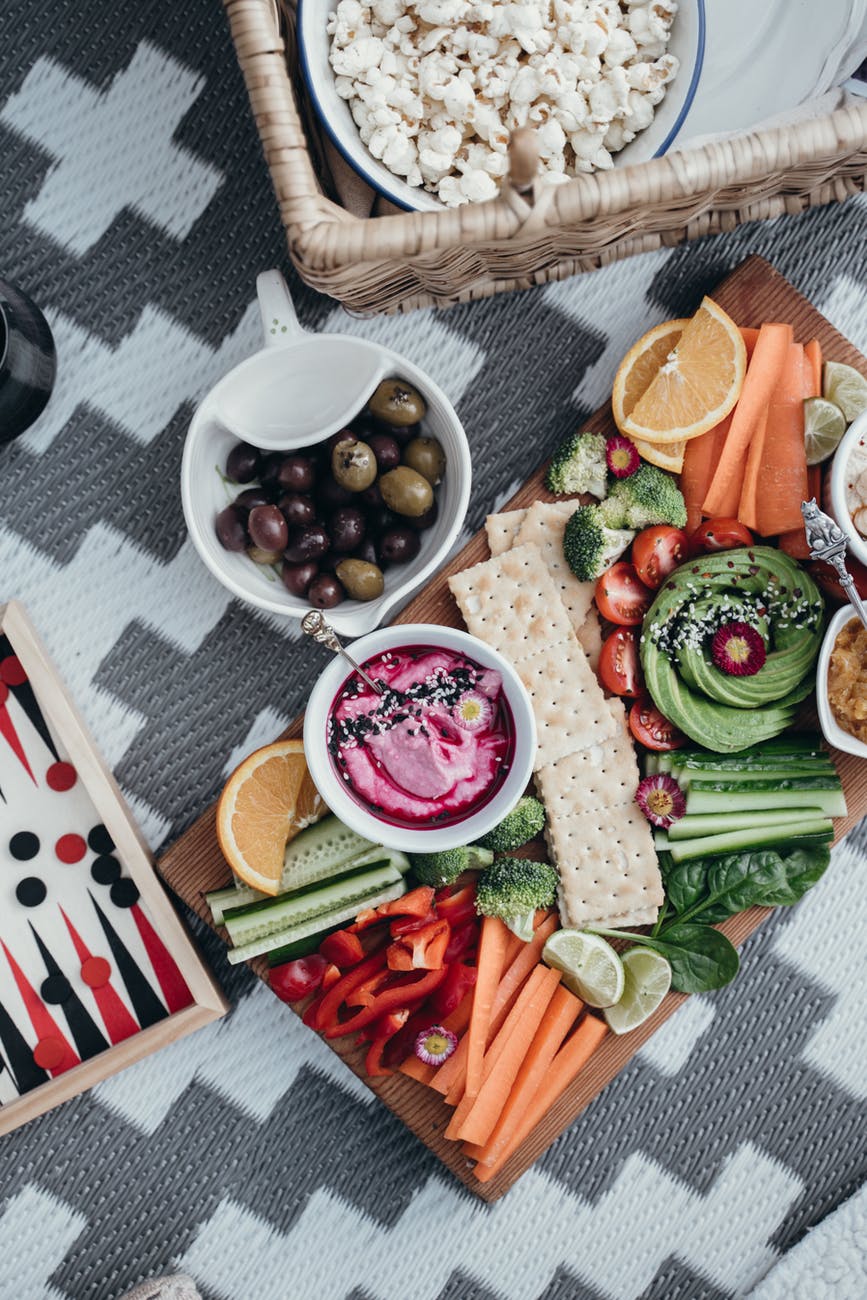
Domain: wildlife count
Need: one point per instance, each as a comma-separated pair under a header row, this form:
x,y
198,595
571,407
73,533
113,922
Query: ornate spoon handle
x,y
827,542
313,624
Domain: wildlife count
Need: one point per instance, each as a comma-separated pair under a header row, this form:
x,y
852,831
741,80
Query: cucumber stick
x,y
316,925
248,923
322,850
719,823
723,797
220,900
797,831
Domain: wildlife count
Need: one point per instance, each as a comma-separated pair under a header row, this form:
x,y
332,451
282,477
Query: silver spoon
x,y
827,542
313,624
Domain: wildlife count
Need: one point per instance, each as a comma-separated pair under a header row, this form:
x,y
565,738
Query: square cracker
x,y
511,603
543,526
589,635
571,711
502,529
624,921
607,864
601,777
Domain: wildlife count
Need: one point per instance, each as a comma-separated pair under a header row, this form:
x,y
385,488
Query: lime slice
x,y
846,388
591,968
824,426
648,979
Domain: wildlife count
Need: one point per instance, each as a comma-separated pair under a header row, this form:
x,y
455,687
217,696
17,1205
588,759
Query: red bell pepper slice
x,y
418,902
462,943
366,918
451,993
366,992
403,993
406,924
336,995
459,907
342,949
330,978
384,1030
420,949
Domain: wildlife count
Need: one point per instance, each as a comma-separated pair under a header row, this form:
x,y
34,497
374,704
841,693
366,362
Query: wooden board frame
x,y
752,293
208,1000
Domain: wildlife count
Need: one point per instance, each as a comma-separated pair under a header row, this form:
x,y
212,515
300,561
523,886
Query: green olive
x,y
353,465
258,556
406,492
362,581
426,457
397,403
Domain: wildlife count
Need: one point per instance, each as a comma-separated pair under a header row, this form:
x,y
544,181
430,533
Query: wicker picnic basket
x,y
402,261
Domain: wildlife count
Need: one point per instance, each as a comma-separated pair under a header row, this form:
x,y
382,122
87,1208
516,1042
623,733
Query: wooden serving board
x,y
753,293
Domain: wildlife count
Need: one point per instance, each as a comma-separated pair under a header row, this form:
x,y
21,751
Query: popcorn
x,y
436,86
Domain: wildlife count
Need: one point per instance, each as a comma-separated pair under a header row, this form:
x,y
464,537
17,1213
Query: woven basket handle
x,y
280,325
523,159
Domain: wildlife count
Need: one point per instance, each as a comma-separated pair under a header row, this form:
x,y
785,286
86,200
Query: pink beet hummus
x,y
434,747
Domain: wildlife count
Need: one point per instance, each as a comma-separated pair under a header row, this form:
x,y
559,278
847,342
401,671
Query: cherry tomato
x,y
618,663
657,552
651,729
720,535
621,597
295,979
827,578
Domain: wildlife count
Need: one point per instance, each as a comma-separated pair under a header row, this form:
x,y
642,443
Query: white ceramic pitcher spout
x,y
315,387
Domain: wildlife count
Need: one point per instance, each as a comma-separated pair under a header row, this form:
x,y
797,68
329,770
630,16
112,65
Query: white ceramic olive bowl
x,y
831,730
687,43
324,379
856,433
428,839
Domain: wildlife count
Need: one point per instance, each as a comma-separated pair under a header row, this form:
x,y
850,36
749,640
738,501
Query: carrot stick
x,y
564,1069
493,945
813,354
457,1023
699,462
451,1076
562,1012
487,1106
748,508
794,543
783,469
750,337
761,378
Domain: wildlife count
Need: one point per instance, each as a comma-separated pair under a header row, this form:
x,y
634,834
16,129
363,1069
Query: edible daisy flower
x,y
472,711
435,1045
661,800
621,456
738,649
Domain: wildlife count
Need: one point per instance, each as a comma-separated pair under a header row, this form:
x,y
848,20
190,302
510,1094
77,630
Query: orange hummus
x,y
847,679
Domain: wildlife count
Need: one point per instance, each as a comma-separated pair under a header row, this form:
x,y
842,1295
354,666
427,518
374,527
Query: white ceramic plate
x,y
687,42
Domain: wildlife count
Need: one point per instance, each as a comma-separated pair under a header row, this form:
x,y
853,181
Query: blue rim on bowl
x,y
379,186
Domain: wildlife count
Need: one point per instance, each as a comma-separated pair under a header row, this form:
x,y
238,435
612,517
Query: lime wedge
x,y
648,979
824,426
591,968
846,388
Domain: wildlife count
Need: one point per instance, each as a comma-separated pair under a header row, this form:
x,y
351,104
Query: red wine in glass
x,y
28,362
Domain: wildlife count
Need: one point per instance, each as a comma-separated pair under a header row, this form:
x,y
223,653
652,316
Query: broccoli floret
x,y
578,465
526,819
649,496
443,868
590,545
513,888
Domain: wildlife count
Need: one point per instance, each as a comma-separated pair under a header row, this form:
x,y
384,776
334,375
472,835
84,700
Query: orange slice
x,y
640,366
666,455
696,385
265,803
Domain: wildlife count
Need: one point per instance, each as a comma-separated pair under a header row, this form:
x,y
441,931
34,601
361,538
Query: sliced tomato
x,y
618,663
657,552
651,729
621,596
293,980
720,535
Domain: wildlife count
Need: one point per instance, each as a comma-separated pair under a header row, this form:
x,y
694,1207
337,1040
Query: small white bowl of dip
x,y
420,830
835,735
850,462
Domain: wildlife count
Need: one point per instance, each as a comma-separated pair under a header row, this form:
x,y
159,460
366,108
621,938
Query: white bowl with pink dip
x,y
437,760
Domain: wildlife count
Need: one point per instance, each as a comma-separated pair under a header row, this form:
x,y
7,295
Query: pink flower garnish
x,y
472,711
621,456
661,800
435,1045
738,649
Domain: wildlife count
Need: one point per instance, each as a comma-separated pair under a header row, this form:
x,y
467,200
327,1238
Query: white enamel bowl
x,y
429,839
857,432
321,380
687,43
833,733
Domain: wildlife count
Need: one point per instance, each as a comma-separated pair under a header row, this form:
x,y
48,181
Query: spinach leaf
x,y
701,958
803,868
686,884
708,890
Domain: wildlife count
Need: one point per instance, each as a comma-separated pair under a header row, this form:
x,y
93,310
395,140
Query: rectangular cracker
x,y
502,529
571,711
589,635
543,526
627,921
599,778
511,603
607,864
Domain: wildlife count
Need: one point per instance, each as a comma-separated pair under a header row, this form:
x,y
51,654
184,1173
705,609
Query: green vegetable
x,y
649,496
589,546
700,957
807,829
513,889
712,889
578,465
322,850
525,821
443,868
